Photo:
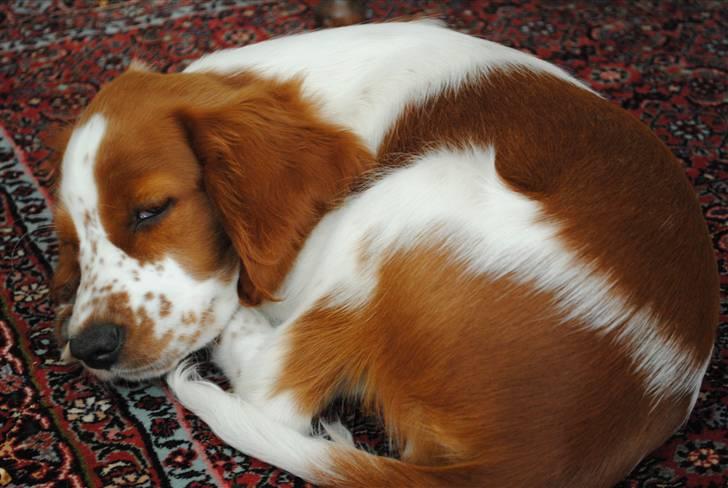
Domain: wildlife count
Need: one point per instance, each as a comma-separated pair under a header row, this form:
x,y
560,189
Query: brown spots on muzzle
x,y
207,317
189,318
165,306
204,319
141,347
191,338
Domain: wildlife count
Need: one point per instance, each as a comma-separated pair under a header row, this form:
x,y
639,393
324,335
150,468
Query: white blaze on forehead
x,y
78,186
161,291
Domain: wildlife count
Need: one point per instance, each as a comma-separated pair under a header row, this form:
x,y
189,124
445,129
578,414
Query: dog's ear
x,y
271,168
55,139
67,272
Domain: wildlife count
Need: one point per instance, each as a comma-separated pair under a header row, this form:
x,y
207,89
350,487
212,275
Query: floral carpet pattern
x,y
665,61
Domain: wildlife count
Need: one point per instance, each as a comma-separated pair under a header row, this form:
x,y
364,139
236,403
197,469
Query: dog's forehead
x,y
78,188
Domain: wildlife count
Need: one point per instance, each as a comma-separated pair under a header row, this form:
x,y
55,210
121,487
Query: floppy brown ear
x,y
67,272
56,139
271,169
66,277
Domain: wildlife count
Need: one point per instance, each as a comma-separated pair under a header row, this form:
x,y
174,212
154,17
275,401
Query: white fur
x,y
105,265
250,430
364,75
457,198
245,335
251,353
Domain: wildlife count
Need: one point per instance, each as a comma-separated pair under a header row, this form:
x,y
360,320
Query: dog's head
x,y
178,195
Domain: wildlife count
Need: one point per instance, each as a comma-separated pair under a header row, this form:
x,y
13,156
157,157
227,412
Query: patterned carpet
x,y
664,61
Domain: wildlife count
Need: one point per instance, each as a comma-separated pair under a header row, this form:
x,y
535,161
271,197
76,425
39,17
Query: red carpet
x,y
664,61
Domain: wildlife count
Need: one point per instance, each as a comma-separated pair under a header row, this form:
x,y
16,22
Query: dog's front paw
x,y
247,321
241,340
196,394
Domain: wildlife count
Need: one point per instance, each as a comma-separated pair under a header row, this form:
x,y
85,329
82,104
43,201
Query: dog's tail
x,y
318,460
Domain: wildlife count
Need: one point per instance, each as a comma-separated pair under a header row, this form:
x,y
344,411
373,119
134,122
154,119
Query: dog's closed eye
x,y
148,215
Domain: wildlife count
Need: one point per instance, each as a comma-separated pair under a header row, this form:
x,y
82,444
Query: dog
x,y
511,271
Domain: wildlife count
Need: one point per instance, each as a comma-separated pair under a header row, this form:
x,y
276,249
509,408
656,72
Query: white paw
x,y
194,393
242,339
248,321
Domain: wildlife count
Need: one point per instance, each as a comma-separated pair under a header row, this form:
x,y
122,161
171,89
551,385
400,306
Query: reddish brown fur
x,y
56,140
247,163
67,274
158,167
115,308
250,147
475,377
617,191
469,371
479,378
270,159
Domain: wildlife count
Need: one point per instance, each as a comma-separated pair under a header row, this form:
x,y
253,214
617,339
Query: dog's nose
x,y
99,345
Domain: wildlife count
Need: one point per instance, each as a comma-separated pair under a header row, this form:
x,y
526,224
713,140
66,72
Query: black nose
x,y
98,345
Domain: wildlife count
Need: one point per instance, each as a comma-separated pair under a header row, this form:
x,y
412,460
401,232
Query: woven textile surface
x,y
663,61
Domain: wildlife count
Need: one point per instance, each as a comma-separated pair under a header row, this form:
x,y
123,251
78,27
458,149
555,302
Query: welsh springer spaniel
x,y
513,272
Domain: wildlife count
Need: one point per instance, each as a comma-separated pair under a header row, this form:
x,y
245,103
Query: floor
x,y
665,61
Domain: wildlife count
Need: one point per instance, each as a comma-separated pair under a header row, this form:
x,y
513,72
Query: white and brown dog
x,y
510,270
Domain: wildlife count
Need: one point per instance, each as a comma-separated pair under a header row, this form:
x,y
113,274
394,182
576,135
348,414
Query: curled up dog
x,y
510,270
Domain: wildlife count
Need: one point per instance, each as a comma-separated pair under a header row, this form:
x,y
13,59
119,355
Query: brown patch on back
x,y
620,196
481,374
477,378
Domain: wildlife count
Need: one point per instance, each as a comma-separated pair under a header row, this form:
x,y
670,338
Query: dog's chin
x,y
149,372
133,374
